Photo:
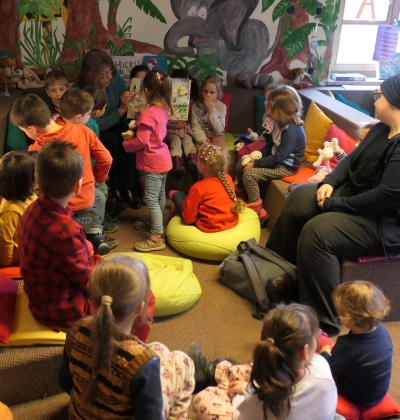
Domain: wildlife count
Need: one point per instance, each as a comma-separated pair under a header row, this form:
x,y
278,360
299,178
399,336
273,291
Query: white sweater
x,y
314,398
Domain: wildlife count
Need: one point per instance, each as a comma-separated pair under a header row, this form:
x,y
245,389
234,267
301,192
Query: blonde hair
x,y
213,78
361,302
119,285
215,161
157,87
287,103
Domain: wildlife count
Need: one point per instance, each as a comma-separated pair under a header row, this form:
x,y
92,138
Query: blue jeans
x,y
155,199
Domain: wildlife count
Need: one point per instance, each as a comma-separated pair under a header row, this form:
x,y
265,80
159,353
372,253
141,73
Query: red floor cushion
x,y
300,177
8,299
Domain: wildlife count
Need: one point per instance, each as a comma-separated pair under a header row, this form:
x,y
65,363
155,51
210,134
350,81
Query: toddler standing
x,y
152,155
361,361
208,113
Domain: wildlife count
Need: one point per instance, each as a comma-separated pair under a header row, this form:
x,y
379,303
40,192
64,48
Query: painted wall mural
x,y
204,36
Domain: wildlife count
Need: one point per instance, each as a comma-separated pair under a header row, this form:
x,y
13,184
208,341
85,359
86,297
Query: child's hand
x,y
250,165
327,349
203,143
209,103
235,387
179,125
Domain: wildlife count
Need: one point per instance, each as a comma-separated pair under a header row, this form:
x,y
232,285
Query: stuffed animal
x,y
327,153
250,158
244,139
297,81
130,134
30,79
261,80
9,75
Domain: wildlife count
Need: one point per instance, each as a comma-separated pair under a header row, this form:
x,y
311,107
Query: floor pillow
x,y
172,280
216,246
300,177
8,300
12,271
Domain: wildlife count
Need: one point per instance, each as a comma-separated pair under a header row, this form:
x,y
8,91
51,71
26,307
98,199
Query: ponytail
x,y
238,204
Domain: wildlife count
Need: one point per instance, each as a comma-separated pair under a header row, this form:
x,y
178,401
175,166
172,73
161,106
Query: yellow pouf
x,y
190,240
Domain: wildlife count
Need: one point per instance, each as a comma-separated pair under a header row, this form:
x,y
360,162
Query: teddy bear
x,y
246,159
9,75
297,81
130,134
261,80
327,153
30,79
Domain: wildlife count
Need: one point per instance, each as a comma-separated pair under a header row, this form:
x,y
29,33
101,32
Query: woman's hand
x,y
125,98
235,387
250,165
209,103
324,192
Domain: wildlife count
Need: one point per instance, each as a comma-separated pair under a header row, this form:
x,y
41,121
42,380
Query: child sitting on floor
x,y
211,203
286,381
361,361
109,372
17,171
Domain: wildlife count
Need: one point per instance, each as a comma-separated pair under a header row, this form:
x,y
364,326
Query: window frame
x,y
367,69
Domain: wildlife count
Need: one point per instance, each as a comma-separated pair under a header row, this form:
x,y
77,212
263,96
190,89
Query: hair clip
x,y
271,340
159,75
106,300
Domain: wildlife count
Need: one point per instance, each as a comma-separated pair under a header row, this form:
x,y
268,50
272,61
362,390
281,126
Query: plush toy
x,y
130,134
261,80
250,158
327,153
30,79
9,75
244,139
297,81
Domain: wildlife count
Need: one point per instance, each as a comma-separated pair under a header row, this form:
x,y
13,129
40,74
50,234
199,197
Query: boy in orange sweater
x,y
31,114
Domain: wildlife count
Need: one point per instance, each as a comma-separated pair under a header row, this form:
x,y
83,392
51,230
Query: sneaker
x,y
110,227
110,218
100,245
153,243
111,242
143,226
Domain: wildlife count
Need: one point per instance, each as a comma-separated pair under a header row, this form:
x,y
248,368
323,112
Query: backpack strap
x,y
256,281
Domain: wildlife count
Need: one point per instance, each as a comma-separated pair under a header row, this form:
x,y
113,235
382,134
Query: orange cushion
x,y
347,409
8,300
300,177
316,127
13,271
386,408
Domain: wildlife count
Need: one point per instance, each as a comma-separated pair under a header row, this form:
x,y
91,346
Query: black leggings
x,y
177,199
122,172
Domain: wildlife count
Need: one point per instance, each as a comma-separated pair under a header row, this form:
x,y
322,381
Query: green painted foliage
x,y
150,9
125,50
297,40
280,9
41,7
266,4
124,31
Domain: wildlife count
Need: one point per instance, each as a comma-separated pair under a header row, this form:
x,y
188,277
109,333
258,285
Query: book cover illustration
x,y
156,62
180,99
138,102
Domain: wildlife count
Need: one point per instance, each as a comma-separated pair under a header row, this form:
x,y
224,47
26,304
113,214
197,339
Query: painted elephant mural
x,y
222,28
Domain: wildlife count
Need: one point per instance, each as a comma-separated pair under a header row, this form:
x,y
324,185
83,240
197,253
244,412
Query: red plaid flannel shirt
x,y
56,263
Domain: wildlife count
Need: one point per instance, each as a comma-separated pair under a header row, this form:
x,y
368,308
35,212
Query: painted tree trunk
x,y
9,28
279,60
81,16
112,15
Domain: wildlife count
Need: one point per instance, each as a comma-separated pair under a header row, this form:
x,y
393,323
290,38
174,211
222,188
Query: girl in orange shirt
x,y
211,203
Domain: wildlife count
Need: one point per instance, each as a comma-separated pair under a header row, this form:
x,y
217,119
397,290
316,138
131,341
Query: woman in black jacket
x,y
355,211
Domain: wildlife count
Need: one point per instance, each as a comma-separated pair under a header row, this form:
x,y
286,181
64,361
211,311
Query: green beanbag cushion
x,y
216,246
340,98
172,280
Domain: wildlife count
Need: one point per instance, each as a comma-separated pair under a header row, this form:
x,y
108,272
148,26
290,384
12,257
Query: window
x,y
358,23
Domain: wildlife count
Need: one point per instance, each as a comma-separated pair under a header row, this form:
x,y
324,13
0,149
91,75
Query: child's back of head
x,y
285,101
59,167
17,176
30,111
76,102
361,304
139,71
99,98
157,89
285,333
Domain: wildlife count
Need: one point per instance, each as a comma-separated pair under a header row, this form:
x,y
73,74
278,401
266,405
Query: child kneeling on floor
x,y
361,361
110,373
284,151
211,203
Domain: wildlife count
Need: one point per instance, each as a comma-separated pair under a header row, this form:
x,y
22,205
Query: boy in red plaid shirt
x,y
55,258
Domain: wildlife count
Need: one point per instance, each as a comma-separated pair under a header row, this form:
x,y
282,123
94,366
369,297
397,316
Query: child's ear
x,y
77,187
139,309
47,91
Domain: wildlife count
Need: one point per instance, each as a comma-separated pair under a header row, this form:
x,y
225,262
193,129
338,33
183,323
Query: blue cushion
x,y
259,111
351,104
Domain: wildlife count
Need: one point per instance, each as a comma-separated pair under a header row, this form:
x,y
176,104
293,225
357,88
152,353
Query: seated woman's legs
x,y
323,241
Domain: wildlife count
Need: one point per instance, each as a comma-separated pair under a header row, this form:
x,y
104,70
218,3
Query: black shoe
x,y
110,227
111,242
99,243
110,218
132,201
204,373
116,194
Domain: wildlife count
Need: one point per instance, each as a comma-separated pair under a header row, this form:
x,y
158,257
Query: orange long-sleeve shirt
x,y
208,205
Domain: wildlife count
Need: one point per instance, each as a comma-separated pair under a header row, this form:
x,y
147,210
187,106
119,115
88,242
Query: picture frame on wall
x,y
388,68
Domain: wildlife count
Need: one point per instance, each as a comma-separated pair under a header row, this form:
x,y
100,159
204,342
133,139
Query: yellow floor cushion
x,y
173,282
26,331
190,240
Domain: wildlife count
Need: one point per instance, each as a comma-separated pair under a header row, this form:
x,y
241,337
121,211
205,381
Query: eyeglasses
x,y
105,74
377,95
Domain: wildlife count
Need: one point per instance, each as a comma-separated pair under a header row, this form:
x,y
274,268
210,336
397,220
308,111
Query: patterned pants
x,y
214,402
252,177
177,381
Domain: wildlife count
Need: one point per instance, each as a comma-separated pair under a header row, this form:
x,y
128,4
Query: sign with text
x,y
124,64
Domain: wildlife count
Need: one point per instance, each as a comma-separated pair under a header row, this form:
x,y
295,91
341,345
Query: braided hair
x,y
215,161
